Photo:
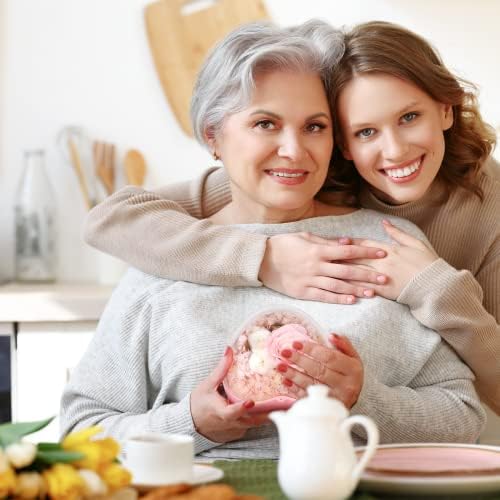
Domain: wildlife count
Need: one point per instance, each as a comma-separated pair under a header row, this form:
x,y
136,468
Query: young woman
x,y
415,146
150,366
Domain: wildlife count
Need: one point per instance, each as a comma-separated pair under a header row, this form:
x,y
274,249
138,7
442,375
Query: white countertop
x,y
52,302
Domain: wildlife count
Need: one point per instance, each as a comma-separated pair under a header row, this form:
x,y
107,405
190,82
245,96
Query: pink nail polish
x,y
286,353
248,404
380,253
381,279
298,345
287,382
226,352
368,293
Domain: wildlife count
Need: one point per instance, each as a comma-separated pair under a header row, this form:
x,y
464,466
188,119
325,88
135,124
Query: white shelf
x,y
52,302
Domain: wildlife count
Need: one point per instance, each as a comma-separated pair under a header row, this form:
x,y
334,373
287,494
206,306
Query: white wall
x,y
87,62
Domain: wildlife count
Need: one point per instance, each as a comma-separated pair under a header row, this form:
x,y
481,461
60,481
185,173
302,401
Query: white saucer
x,y
201,474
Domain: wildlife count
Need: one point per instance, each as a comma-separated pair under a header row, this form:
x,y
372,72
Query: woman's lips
x,y
288,177
405,173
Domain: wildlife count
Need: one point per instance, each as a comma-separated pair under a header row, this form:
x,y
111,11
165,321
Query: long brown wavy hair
x,y
387,48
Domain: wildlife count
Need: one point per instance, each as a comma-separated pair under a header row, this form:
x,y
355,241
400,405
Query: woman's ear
x,y
209,136
447,116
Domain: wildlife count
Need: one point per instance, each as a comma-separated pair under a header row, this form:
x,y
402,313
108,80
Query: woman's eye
x,y
409,117
315,127
365,133
265,124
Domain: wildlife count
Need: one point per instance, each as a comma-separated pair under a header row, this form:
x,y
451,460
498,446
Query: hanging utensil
x,y
181,32
74,146
135,167
104,164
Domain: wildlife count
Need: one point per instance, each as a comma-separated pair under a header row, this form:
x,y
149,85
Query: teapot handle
x,y
371,445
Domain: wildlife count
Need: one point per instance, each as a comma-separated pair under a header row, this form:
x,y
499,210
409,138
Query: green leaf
x,y
12,433
49,446
60,456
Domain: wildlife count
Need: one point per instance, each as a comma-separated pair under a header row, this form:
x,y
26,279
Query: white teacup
x,y
160,459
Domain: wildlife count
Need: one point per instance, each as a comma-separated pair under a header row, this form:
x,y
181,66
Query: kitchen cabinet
x,y
46,355
49,327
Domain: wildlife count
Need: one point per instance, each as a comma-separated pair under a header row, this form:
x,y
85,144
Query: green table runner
x,y
259,477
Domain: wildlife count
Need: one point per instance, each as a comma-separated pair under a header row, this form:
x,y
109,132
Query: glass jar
x,y
35,212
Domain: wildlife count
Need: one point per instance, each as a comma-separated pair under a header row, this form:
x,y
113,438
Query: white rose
x,y
94,485
20,454
29,485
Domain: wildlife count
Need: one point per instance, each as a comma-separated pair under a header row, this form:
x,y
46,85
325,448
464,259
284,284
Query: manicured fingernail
x,y
248,404
282,367
380,253
344,241
287,382
368,293
298,345
381,279
226,352
335,337
286,353
350,299
386,222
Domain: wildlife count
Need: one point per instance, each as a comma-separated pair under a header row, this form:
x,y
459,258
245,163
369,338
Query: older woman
x,y
155,362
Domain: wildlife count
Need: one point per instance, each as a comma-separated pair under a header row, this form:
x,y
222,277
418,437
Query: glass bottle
x,y
35,213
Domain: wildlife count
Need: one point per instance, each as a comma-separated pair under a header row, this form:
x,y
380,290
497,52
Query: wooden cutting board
x,y
181,32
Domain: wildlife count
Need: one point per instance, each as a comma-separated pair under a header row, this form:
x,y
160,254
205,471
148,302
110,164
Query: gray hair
x,y
226,80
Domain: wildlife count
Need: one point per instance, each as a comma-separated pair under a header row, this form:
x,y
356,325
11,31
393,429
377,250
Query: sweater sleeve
x,y
169,241
439,404
111,385
451,303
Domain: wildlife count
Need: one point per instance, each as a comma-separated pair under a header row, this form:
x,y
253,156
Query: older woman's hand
x,y
341,369
309,267
215,418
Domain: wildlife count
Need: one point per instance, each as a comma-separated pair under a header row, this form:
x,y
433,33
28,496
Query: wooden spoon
x,y
135,167
104,160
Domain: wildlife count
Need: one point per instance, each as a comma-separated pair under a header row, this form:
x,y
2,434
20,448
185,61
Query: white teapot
x,y
317,458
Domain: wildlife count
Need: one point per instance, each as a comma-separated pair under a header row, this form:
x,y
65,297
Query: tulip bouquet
x,y
77,467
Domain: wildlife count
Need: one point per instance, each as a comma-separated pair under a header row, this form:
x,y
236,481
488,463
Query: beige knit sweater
x,y
458,295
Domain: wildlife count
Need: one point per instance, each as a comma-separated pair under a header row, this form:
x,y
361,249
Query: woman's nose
x,y
291,146
395,147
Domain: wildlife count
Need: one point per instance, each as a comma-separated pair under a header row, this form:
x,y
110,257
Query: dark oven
x,y
6,351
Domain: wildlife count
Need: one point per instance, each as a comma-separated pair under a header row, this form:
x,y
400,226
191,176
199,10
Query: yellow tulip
x,y
4,463
7,482
115,476
97,452
30,485
80,437
64,482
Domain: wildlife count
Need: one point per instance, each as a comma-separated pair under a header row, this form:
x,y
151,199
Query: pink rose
x,y
283,338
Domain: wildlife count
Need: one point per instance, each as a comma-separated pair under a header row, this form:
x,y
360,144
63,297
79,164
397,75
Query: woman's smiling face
x,y
277,150
394,133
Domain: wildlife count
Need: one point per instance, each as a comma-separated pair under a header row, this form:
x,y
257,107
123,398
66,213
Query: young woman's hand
x,y
305,266
405,259
341,369
213,416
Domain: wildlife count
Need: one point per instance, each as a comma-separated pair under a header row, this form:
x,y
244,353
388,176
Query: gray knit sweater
x,y
158,338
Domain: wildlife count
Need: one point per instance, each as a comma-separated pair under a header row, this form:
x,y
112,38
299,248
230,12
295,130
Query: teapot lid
x,y
318,404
